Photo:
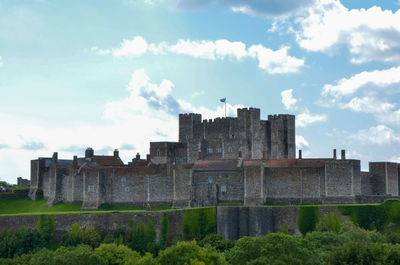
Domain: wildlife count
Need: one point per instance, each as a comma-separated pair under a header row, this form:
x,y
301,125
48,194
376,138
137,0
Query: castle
x,y
243,160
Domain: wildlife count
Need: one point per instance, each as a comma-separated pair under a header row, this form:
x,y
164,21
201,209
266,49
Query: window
x,y
158,152
187,137
219,150
126,189
185,160
210,180
220,135
223,188
123,180
210,150
90,188
229,149
233,136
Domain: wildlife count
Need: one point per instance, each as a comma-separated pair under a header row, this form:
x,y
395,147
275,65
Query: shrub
x,y
115,255
190,253
164,231
143,237
216,241
46,225
307,219
76,236
197,223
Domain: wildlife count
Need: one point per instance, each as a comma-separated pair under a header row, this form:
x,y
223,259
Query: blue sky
x,y
115,74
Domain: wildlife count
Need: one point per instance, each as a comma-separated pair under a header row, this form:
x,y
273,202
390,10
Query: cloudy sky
x,y
115,74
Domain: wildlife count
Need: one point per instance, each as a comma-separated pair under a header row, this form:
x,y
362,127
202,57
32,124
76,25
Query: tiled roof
x,y
107,161
319,162
130,171
216,165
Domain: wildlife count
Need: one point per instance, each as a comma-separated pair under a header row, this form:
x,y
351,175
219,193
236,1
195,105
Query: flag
x,y
222,100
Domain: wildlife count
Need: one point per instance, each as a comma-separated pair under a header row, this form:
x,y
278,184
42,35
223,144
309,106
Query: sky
x,y
116,74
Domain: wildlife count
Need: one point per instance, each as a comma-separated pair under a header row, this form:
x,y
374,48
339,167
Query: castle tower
x,y
282,136
186,124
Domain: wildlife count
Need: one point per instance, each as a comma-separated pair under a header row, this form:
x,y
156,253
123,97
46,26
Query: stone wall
x,y
103,222
384,178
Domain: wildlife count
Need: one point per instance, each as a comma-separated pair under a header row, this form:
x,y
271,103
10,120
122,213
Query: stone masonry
x,y
244,160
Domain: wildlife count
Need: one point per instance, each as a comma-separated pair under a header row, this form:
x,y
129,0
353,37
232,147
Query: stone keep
x,y
244,160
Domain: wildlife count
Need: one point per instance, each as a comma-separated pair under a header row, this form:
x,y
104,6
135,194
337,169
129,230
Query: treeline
x,y
327,239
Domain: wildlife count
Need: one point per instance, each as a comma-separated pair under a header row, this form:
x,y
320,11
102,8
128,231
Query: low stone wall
x,y
14,194
101,221
232,222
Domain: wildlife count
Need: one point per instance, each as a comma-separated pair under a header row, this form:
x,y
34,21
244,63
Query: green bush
x,y
307,219
143,238
330,222
277,248
190,253
216,241
164,231
197,223
76,236
46,225
115,255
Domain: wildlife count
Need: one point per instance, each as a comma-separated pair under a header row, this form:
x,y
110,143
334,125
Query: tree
x,y
46,225
190,253
115,255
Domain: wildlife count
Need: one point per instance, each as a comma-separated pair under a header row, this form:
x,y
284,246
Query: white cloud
x,y
367,92
148,113
271,61
264,8
301,142
135,47
275,62
379,135
288,101
370,34
1,62
348,86
306,118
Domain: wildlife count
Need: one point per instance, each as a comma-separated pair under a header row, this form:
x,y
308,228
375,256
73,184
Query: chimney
x,y
137,156
148,159
55,156
300,154
199,157
240,154
89,152
75,162
116,153
343,154
334,154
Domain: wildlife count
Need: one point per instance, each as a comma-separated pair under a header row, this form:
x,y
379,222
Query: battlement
x,y
280,116
218,120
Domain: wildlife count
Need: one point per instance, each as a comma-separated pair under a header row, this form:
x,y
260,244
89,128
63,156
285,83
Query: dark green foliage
x,y
330,222
373,216
143,237
164,231
114,255
190,253
359,253
76,236
216,241
307,219
275,248
21,242
46,225
197,223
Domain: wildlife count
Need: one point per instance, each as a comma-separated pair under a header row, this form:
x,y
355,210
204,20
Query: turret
x,y
186,124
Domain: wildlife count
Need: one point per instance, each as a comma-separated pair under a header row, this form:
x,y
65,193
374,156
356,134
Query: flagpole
x,y
225,108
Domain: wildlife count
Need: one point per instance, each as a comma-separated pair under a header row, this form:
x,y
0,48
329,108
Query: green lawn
x,y
25,206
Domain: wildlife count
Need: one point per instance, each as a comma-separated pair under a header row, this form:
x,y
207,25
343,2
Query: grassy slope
x,y
25,206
